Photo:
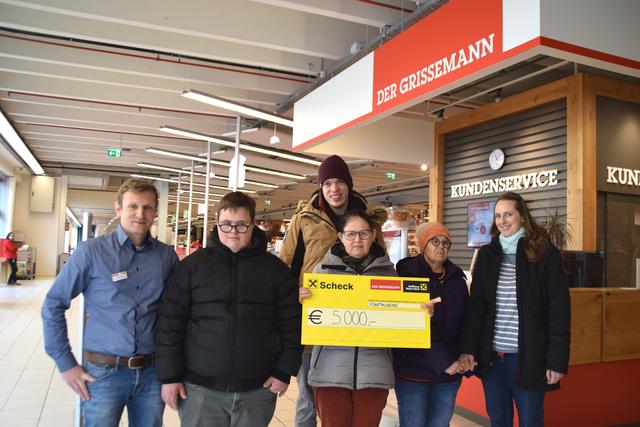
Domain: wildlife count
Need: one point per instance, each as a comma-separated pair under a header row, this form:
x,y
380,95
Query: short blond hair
x,y
137,186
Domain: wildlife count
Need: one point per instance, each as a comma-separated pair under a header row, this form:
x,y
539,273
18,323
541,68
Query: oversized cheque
x,y
365,311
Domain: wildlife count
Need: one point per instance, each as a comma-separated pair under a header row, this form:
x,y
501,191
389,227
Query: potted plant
x,y
556,226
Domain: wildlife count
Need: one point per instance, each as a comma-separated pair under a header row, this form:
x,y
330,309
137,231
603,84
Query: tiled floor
x,y
32,393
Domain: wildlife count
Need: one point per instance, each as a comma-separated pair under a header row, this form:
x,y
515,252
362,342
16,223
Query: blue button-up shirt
x,y
121,287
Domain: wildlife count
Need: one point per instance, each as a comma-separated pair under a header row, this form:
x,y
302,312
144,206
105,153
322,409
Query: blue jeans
x,y
426,404
206,407
500,392
115,388
305,405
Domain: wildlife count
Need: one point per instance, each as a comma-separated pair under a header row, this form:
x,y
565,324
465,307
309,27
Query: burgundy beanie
x,y
334,167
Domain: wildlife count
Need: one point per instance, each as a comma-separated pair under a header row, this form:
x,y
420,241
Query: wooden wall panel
x,y
586,326
580,92
513,104
532,140
621,338
581,163
436,180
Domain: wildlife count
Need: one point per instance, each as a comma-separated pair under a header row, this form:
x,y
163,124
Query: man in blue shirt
x,y
121,276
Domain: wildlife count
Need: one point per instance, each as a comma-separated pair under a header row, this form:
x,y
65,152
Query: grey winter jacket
x,y
352,367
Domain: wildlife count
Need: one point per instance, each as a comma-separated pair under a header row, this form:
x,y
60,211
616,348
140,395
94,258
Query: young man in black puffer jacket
x,y
228,330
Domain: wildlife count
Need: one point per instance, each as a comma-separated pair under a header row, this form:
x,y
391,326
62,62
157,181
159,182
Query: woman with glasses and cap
x,y
351,384
427,381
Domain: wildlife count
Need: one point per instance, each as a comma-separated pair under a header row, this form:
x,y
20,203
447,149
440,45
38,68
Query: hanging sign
x,y
235,175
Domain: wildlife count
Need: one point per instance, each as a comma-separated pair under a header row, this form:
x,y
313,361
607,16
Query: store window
x,y
619,231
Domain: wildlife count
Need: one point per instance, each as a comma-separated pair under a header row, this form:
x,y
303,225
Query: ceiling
x,y
79,77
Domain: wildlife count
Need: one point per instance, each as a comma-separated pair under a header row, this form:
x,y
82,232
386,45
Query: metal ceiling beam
x,y
119,81
344,10
95,91
109,119
186,27
131,63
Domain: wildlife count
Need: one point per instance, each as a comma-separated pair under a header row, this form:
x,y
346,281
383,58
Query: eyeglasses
x,y
350,235
437,242
241,228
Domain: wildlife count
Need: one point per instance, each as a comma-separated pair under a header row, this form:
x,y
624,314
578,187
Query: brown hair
x,y
356,213
537,238
137,186
236,200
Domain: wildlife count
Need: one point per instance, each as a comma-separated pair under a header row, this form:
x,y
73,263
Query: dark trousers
x,y
205,407
500,393
13,263
342,407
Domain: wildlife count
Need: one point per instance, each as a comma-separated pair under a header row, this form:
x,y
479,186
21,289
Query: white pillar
x,y
163,209
62,215
190,207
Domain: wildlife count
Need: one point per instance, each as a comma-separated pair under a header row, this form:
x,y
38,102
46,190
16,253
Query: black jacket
x,y
229,321
544,314
446,324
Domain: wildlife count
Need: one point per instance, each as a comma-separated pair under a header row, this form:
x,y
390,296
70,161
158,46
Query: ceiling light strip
x,y
153,178
202,192
12,137
225,178
233,132
246,181
243,146
195,199
223,163
241,109
167,168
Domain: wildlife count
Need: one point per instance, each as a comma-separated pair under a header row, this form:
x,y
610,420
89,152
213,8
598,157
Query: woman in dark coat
x,y
517,329
427,381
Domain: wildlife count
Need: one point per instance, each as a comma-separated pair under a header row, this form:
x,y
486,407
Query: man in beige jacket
x,y
311,233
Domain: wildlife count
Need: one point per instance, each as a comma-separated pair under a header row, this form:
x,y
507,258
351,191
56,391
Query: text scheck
x,y
443,66
339,286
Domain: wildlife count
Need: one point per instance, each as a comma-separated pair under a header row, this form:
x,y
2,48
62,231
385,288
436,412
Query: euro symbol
x,y
316,317
313,283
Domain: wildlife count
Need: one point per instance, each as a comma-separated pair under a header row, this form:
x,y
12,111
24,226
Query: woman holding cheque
x,y
427,381
351,384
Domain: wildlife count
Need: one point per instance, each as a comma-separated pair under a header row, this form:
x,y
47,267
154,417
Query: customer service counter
x,y
601,388
569,146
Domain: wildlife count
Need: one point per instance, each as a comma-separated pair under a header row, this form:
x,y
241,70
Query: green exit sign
x,y
114,152
391,176
267,202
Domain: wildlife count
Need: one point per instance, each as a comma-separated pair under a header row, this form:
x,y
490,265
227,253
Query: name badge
x,y
116,277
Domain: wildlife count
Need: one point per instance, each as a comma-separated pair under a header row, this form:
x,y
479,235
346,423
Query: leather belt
x,y
132,362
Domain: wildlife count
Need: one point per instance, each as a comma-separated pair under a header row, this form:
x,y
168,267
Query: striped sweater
x,y
505,334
